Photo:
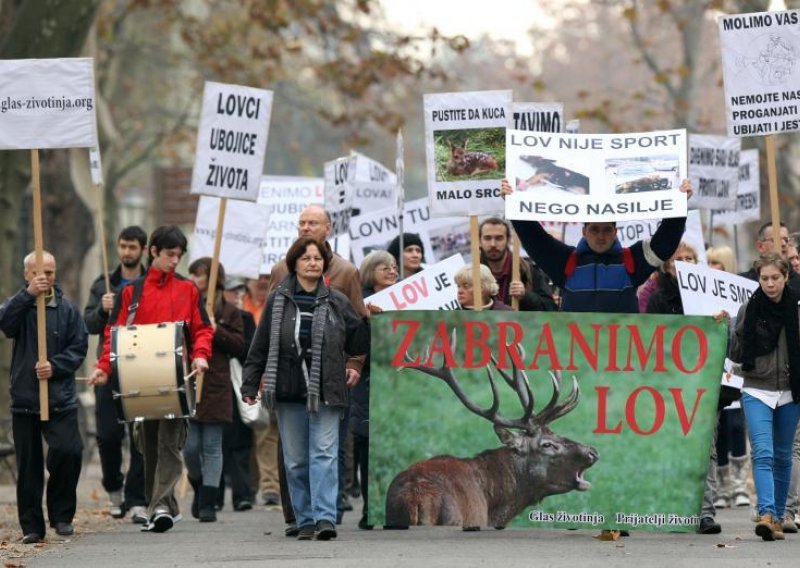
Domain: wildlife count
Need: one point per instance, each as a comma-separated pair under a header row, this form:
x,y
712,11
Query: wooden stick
x,y
475,250
198,390
774,206
102,232
212,277
41,320
515,275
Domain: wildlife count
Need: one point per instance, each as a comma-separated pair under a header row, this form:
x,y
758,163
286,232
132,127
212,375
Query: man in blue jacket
x,y
67,342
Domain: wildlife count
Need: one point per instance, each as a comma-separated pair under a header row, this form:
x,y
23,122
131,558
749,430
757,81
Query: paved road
x,y
256,537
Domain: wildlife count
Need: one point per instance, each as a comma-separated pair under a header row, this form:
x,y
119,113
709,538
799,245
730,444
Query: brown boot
x,y
777,529
765,527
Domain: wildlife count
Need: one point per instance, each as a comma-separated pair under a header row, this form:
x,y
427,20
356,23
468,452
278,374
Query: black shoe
x,y
306,532
161,522
364,525
345,503
291,531
208,501
243,505
325,530
709,526
31,538
64,529
272,499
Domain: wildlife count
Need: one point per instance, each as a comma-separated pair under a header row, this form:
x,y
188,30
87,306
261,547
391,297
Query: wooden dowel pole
x,y
774,206
41,320
101,214
515,272
475,250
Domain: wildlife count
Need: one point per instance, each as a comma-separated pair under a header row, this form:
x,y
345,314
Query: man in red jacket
x,y
165,297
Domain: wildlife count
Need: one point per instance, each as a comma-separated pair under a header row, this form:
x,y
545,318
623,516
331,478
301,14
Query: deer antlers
x,y
518,383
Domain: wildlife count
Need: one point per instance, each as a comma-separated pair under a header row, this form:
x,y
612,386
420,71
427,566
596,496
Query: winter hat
x,y
408,240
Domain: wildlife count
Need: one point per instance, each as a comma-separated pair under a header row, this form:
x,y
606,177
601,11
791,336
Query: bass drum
x,y
149,364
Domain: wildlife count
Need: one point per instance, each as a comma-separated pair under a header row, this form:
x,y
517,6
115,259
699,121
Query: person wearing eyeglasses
x,y
765,243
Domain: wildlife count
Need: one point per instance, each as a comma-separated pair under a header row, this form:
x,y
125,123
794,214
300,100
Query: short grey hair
x,y
488,283
30,259
371,262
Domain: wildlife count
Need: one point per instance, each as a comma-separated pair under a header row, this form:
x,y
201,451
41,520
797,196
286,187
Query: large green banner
x,y
537,419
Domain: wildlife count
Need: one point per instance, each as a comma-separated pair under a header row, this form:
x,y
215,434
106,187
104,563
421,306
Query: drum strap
x,y
137,284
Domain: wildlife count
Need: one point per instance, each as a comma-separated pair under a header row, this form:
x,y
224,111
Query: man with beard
x,y
110,433
534,290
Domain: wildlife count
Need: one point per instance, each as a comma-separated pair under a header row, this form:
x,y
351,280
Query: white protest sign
x,y
375,230
760,73
706,291
242,237
465,151
374,185
628,232
231,141
595,177
47,103
714,170
538,117
340,176
95,165
431,289
285,198
748,195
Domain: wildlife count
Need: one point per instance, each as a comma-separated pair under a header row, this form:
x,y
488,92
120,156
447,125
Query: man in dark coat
x,y
67,343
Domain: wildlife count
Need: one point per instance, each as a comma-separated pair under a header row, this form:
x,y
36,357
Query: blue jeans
x,y
203,452
310,453
771,434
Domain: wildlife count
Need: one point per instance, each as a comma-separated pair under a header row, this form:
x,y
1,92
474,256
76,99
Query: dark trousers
x,y
237,444
110,437
64,456
361,453
286,498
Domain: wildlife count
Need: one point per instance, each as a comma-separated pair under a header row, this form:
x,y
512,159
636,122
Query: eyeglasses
x,y
311,224
387,269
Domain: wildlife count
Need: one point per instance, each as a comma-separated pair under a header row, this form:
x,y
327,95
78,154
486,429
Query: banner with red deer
x,y
596,177
465,143
541,419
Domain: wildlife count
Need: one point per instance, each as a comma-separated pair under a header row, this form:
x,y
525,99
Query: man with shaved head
x,y
67,343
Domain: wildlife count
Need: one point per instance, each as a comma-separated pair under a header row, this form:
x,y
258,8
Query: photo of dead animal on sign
x,y
541,419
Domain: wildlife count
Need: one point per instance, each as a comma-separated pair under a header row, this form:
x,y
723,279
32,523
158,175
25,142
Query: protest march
x,y
499,311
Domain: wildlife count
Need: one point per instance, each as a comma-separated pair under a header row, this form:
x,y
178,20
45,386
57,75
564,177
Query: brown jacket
x,y
216,404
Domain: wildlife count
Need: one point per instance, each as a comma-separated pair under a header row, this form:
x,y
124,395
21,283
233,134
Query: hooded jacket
x,y
67,343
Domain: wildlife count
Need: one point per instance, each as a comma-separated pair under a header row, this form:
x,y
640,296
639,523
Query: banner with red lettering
x,y
431,289
542,419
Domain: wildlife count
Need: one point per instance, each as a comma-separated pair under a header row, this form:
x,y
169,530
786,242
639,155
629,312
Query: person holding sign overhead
x,y
66,349
162,296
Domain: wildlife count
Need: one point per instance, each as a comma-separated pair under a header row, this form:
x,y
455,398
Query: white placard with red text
x,y
431,289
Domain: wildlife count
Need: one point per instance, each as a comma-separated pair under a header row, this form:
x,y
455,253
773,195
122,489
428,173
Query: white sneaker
x,y
115,504
139,515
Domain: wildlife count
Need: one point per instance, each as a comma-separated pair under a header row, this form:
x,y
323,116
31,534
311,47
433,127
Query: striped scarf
x,y
312,377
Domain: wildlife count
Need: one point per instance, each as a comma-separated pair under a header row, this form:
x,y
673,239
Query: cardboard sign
x,y
538,117
714,171
374,185
242,237
632,443
595,177
340,177
465,151
759,70
285,198
748,194
375,230
231,141
47,103
628,232
431,289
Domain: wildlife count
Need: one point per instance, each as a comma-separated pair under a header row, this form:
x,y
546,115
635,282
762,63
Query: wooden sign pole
x,y
101,214
41,319
515,272
772,176
477,295
211,291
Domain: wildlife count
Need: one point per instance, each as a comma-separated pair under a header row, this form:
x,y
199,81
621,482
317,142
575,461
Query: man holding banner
x,y
65,353
110,433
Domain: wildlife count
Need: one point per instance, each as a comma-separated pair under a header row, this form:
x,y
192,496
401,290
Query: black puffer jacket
x,y
345,335
94,315
67,342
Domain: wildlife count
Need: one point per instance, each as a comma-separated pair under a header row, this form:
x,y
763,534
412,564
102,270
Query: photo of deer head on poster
x,y
597,421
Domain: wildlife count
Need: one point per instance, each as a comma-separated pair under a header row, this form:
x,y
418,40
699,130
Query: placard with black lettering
x,y
714,170
748,193
595,177
759,70
465,150
340,178
538,117
231,141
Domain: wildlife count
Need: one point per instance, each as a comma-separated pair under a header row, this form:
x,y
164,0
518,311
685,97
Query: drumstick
x,y
190,375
